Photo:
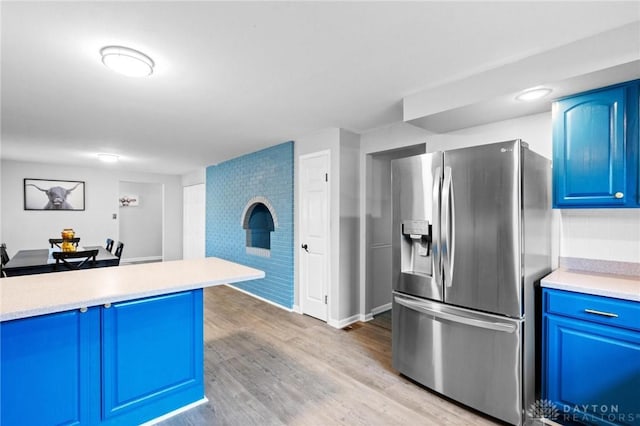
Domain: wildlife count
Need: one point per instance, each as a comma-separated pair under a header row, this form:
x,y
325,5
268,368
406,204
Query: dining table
x,y
40,261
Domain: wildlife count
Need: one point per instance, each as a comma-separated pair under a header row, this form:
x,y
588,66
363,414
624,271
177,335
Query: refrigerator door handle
x,y
437,243
474,322
449,228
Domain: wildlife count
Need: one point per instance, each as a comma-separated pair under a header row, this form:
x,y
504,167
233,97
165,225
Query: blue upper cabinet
x,y
595,148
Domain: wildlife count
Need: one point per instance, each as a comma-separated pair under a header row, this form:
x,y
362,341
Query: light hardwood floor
x,y
265,366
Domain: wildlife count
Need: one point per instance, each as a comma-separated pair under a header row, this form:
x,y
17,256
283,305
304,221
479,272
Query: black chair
x,y
118,252
57,242
85,257
3,254
4,258
109,245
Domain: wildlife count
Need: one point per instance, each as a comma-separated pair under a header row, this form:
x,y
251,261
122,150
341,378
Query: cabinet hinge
x,y
326,177
325,299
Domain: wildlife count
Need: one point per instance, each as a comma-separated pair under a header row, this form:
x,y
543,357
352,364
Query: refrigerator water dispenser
x,y
416,247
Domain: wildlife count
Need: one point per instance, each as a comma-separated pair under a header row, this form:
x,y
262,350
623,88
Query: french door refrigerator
x,y
471,237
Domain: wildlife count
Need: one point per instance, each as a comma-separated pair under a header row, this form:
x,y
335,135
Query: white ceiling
x,y
235,77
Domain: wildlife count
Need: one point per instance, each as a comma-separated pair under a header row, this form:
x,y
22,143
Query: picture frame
x,y
129,200
54,194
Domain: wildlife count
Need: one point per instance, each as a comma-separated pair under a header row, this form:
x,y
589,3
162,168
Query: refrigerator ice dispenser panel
x,y
416,247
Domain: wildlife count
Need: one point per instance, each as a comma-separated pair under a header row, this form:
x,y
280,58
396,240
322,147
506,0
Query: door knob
x,y
305,247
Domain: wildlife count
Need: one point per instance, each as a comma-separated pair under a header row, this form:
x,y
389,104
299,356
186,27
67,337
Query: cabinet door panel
x,y
589,149
593,368
49,369
152,356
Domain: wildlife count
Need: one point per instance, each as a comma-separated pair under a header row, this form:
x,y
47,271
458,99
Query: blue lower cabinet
x,y
49,369
120,365
592,370
152,356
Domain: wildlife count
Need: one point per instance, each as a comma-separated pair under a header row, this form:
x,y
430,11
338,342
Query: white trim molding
x,y
344,322
366,317
260,298
244,218
257,251
175,412
382,308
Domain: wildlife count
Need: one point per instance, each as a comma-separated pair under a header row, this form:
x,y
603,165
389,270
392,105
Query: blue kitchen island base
x,y
123,363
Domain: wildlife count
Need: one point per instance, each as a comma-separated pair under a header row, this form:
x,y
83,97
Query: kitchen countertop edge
x,y
19,298
597,284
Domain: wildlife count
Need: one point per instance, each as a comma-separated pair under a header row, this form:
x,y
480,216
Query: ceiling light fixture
x,y
126,61
533,94
108,158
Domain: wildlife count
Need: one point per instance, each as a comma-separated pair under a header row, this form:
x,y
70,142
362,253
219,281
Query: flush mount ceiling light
x,y
127,61
533,94
108,158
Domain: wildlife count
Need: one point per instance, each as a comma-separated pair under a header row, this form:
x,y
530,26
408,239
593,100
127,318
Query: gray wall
x,y
349,255
31,229
141,226
195,177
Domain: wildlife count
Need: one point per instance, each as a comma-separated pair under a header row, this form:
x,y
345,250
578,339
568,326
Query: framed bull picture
x,y
43,194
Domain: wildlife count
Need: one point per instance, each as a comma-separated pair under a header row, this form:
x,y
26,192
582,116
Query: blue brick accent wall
x,y
230,186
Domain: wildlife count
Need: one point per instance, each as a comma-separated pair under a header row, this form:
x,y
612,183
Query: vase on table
x,y
67,243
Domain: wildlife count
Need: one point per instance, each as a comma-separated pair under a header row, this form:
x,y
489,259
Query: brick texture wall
x,y
230,187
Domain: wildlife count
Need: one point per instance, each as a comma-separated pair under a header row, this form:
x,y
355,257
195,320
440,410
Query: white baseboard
x,y
367,317
141,259
381,308
344,322
374,311
297,309
180,410
259,298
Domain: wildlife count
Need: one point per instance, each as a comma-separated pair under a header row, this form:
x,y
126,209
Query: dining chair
x,y
3,254
57,242
118,252
82,258
4,259
109,245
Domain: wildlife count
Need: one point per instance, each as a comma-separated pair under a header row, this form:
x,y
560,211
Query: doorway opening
x,y
140,227
378,279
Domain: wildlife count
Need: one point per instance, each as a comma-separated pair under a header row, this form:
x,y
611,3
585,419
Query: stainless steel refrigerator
x,y
471,236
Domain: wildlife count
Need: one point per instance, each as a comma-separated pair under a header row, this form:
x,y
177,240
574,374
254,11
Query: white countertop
x,y
31,295
618,286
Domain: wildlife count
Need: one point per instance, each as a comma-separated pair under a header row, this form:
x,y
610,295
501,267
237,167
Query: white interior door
x,y
314,234
193,221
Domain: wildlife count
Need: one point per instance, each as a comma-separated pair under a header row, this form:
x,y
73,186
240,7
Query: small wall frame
x,y
131,200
